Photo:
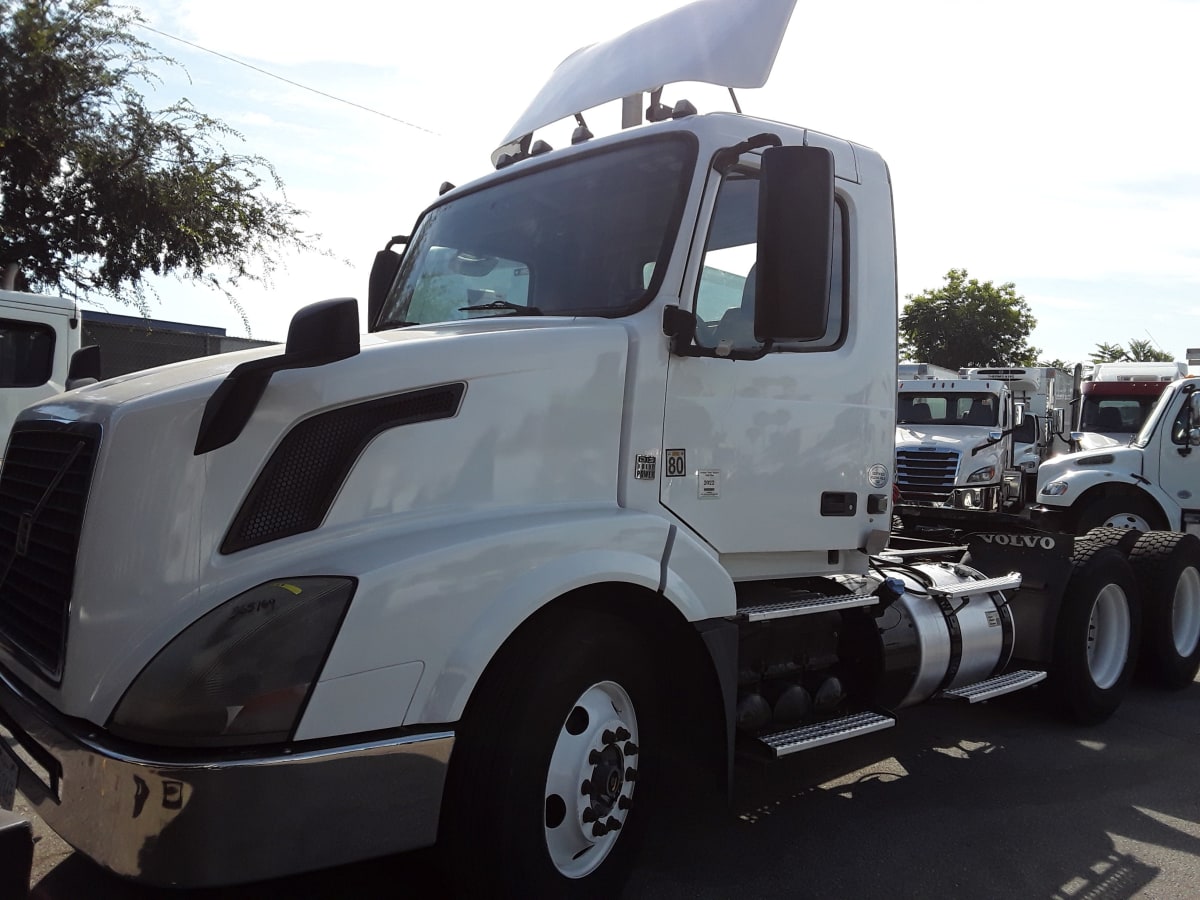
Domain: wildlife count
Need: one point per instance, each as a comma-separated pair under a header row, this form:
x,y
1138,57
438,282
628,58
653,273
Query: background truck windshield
x,y
587,238
947,409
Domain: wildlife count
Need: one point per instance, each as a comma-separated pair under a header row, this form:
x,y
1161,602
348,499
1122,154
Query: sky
x,y
1053,144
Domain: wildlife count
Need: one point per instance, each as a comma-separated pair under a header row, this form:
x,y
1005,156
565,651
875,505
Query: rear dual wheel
x,y
1097,635
1167,565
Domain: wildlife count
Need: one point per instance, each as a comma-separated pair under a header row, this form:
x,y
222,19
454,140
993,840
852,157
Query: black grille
x,y
43,492
926,476
301,479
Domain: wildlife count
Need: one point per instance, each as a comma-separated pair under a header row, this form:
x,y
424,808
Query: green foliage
x,y
97,190
967,322
1135,351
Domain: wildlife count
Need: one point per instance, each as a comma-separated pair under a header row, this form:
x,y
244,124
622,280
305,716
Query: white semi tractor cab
x,y
603,494
1151,483
954,447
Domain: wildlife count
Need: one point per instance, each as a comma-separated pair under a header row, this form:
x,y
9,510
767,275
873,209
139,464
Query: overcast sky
x,y
1053,144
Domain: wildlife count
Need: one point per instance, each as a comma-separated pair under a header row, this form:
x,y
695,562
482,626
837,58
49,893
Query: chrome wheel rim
x,y
1108,636
591,779
1185,612
1126,520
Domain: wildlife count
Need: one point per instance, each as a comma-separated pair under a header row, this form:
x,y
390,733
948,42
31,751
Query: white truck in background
x,y
496,573
973,444
1153,482
1116,398
1044,393
42,336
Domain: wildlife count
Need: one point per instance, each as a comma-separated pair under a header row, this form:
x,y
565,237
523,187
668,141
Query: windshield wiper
x,y
502,304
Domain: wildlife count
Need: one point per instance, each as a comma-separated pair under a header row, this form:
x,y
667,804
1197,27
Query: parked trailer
x,y
564,526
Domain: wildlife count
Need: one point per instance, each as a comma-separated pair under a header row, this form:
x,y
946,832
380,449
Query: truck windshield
x,y
1156,413
943,408
1115,414
586,238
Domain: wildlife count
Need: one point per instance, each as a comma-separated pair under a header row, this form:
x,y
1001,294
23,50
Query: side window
x,y
724,302
1183,424
26,353
1026,432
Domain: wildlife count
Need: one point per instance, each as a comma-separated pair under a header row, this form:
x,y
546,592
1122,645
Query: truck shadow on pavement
x,y
994,801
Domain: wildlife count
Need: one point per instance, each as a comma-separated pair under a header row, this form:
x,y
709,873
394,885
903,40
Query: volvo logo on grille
x,y
24,527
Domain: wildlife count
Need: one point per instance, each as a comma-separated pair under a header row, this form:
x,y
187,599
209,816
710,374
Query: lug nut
x,y
623,735
613,824
631,774
608,737
594,758
589,815
585,788
622,802
599,829
631,749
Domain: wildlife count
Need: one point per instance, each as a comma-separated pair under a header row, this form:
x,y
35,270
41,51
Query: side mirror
x,y
383,275
320,333
84,368
1018,414
795,244
1060,420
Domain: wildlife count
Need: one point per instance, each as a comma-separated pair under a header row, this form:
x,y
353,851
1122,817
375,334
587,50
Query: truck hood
x,y
963,438
536,422
1117,460
1094,440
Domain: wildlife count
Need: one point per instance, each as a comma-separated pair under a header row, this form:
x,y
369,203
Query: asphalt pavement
x,y
999,800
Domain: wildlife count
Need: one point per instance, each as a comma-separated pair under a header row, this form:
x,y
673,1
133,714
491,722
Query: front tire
x,y
1167,565
1097,634
1123,510
540,798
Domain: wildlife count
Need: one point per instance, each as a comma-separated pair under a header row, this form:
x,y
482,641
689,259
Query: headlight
x,y
241,673
1054,489
987,473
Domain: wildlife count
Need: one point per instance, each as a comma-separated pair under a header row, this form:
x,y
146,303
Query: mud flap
x,y
1044,561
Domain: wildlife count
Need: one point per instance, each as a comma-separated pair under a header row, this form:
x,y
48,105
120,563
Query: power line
x,y
304,87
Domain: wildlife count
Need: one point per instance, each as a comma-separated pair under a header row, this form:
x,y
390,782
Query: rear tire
x,y
1097,635
1122,539
545,754
1167,565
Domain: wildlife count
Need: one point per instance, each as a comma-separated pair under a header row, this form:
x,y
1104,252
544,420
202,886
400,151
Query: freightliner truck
x,y
601,498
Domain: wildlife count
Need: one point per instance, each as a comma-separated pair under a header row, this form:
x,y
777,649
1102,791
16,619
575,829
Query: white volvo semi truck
x,y
603,494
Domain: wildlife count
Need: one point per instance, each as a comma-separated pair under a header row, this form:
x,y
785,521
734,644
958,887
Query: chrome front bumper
x,y
192,821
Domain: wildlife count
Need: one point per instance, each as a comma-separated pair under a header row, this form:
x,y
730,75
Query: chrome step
x,y
806,737
1008,582
996,686
763,611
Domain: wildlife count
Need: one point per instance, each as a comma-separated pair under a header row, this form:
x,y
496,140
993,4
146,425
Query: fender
x,y
411,652
1084,480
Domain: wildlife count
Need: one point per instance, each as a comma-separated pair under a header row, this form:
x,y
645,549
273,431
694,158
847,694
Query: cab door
x,y
1179,462
771,452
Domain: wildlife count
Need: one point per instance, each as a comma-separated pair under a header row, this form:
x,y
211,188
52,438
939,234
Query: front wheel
x,y
1167,565
546,791
1118,511
1097,634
